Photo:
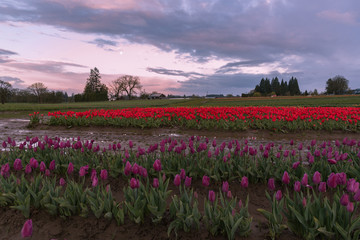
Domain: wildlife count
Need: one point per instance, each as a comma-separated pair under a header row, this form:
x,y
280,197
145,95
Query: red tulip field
x,y
206,185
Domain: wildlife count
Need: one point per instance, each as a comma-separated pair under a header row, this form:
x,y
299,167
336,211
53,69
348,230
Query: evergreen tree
x,y
267,86
94,89
275,86
283,88
262,88
294,87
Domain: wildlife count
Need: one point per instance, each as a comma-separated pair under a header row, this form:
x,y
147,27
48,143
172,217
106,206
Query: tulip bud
x,y
70,168
229,195
286,178
157,165
225,186
350,207
27,229
332,180
52,165
322,187
94,181
134,183
271,184
211,196
304,202
28,168
42,167
62,182
17,164
182,174
344,200
297,186
155,183
304,180
206,181
177,180
244,182
278,195
188,181
317,177
103,174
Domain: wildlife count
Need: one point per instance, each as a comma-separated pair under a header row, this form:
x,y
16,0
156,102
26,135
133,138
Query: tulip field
x,y
284,119
183,188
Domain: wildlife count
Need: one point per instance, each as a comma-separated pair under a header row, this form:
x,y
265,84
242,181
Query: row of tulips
x,y
234,118
324,166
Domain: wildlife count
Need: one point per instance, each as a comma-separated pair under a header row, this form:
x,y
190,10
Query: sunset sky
x,y
179,46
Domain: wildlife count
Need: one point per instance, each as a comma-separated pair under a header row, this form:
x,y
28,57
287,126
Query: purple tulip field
x,y
187,188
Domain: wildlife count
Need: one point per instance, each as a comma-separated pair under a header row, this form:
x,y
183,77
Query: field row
x,y
312,189
229,118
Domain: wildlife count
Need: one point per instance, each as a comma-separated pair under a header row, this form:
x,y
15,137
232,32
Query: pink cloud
x,y
342,17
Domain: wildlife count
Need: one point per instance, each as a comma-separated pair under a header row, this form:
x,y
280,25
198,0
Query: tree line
x,y
127,87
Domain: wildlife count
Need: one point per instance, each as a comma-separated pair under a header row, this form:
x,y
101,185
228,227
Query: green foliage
x,y
184,212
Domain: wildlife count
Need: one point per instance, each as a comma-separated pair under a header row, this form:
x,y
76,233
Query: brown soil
x,y
49,227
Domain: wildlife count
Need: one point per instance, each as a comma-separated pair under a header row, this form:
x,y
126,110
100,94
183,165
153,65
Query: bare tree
x,y
116,88
5,91
38,89
128,84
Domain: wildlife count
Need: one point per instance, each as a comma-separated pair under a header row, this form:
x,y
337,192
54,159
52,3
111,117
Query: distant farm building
x,y
157,96
356,91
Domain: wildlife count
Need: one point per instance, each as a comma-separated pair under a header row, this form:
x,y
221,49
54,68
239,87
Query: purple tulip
x,y
357,196
296,165
177,180
127,169
344,200
135,169
350,207
271,184
93,174
188,181
131,145
332,161
27,229
28,168
17,164
70,168
225,186
52,165
206,181
332,180
286,178
322,187
134,183
317,177
240,204
304,202
341,178
47,172
34,163
304,180
352,185
211,196
297,186
228,194
5,170
157,165
42,167
4,144
103,174
155,183
62,182
94,181
182,174
244,182
83,170
278,195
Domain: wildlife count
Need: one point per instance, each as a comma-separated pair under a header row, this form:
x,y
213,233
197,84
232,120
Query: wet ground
x,y
17,129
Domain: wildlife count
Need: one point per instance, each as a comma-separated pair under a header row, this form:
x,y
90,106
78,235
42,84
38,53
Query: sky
x,y
179,46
